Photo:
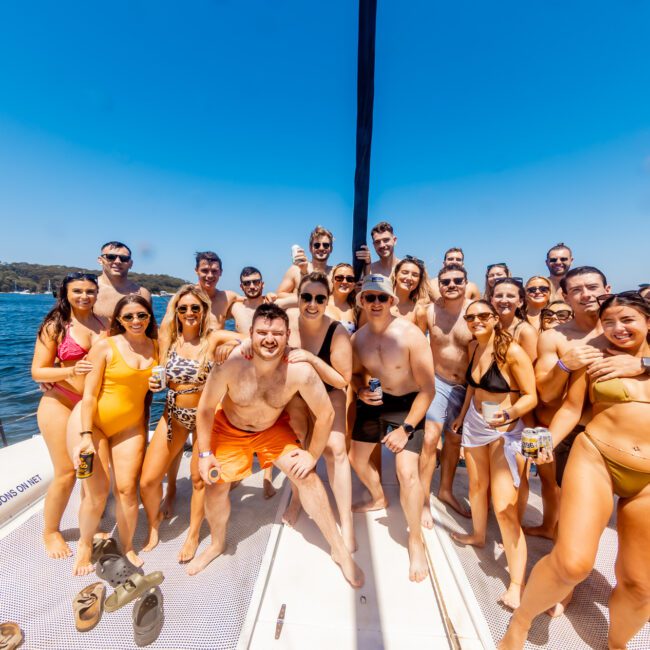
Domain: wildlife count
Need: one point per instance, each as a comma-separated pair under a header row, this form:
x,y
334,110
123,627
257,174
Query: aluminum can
x,y
294,252
529,444
85,468
213,474
374,384
158,372
544,439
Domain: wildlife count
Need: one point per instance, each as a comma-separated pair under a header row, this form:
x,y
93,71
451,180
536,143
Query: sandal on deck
x,y
103,546
115,569
11,636
135,586
88,605
148,617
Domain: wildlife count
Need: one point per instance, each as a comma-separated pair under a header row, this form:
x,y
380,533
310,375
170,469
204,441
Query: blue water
x,y
20,317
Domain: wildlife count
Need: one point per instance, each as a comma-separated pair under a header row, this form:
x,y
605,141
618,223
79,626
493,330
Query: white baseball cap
x,y
379,283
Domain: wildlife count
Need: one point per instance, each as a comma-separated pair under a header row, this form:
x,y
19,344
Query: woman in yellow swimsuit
x,y
113,424
611,457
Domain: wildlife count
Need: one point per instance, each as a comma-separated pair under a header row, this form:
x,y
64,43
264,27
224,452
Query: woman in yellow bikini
x,y
113,424
611,457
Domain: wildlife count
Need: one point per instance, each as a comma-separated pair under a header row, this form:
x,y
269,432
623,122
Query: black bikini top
x,y
325,349
492,381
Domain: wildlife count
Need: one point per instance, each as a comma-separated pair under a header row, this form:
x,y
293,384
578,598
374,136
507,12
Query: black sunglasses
x,y
483,317
457,281
532,290
79,275
560,314
371,297
343,278
248,283
554,260
415,260
491,266
141,316
195,309
320,298
622,294
324,245
111,257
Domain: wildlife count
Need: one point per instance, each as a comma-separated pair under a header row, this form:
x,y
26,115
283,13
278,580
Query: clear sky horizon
x,y
230,126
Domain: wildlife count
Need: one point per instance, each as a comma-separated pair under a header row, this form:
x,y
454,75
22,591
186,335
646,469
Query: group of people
x,y
332,365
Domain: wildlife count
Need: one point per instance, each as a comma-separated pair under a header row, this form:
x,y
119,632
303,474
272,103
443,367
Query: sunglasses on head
x,y
542,289
560,314
343,278
248,283
320,298
111,257
195,309
484,317
445,282
79,275
324,245
554,260
491,266
415,260
380,297
141,316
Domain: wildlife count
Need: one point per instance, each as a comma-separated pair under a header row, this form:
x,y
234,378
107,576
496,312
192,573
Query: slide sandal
x,y
103,546
115,569
135,586
88,606
148,617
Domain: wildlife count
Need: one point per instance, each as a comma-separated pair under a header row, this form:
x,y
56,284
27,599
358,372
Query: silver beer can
x,y
158,372
529,445
544,439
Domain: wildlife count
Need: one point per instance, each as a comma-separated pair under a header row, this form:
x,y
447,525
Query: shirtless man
x,y
208,271
116,261
558,262
384,240
241,412
449,338
321,245
455,256
396,352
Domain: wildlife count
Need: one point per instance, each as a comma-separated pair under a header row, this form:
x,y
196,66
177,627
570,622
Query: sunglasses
x,y
78,275
140,316
415,260
195,309
371,297
324,245
560,314
554,260
320,298
532,290
491,266
457,281
111,257
343,278
623,294
248,283
483,317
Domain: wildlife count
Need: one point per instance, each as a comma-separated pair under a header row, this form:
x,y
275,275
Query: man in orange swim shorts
x,y
241,412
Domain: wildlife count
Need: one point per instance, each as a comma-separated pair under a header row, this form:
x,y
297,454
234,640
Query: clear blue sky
x,y
229,125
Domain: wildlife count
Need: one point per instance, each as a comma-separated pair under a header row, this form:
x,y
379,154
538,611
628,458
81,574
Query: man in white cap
x,y
394,351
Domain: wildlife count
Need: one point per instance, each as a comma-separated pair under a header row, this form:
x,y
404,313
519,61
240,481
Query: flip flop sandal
x,y
103,546
148,617
115,569
134,587
11,636
88,606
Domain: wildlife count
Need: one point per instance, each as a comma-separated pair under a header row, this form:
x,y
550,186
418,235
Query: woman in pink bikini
x,y
64,338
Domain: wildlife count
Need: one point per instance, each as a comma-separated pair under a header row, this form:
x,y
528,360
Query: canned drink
x,y
544,440
158,372
529,445
374,384
213,474
85,468
294,252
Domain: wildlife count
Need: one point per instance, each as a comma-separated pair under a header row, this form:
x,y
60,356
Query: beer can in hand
x,y
294,252
544,440
158,373
375,385
529,444
85,468
213,474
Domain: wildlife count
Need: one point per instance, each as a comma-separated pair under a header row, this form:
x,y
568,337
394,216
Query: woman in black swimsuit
x,y
325,344
499,372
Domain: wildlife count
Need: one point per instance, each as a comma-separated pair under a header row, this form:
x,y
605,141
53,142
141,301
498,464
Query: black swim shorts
x,y
372,422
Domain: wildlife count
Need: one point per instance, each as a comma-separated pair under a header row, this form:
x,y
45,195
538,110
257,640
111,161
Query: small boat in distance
x,y
23,292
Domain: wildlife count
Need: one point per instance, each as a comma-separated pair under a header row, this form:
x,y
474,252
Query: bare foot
x,y
133,558
351,571
199,563
511,597
560,608
538,531
82,564
471,540
418,567
347,532
515,636
370,505
153,534
167,507
427,518
291,514
188,551
269,490
55,546
452,501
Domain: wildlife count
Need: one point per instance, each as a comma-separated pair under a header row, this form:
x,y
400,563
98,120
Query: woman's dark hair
x,y
520,312
316,276
627,299
502,339
118,328
59,316
488,289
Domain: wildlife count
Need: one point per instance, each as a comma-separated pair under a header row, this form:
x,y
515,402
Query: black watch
x,y
409,428
645,364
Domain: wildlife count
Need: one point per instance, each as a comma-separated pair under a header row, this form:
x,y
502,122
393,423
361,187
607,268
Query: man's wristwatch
x,y
410,429
645,364
205,454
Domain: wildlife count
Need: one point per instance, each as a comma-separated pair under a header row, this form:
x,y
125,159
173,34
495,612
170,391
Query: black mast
x,y
365,98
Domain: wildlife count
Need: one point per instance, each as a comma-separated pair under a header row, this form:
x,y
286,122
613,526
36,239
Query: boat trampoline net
x,y
586,621
205,611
